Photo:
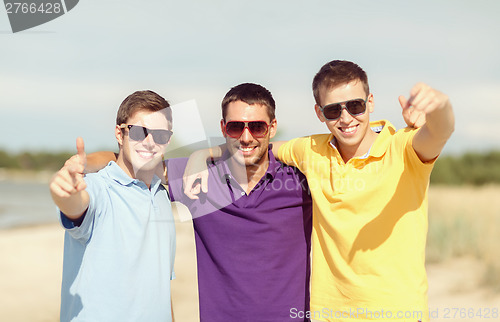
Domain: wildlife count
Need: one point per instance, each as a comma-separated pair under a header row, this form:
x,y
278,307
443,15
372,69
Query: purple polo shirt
x,y
252,250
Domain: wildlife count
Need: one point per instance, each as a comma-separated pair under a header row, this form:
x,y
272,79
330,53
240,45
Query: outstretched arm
x,y
440,121
67,186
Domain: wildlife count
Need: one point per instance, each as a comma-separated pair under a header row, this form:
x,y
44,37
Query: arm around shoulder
x,y
98,160
195,178
275,148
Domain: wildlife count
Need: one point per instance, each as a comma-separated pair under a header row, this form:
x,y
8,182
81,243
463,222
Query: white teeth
x,y
145,154
245,149
349,129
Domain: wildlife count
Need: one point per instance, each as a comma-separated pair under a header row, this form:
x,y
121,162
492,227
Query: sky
x,y
67,78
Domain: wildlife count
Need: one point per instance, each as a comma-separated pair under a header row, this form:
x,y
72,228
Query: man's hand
x,y
423,100
195,179
439,119
413,118
67,186
69,180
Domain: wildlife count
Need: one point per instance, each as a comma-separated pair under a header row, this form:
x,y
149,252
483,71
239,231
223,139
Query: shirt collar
x,y
384,128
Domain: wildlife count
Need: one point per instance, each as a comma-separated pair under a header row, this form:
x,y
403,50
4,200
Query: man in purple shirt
x,y
253,226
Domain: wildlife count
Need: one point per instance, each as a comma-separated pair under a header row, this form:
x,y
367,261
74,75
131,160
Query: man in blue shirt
x,y
120,236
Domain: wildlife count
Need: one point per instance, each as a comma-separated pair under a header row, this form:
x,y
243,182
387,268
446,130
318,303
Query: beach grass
x,y
465,221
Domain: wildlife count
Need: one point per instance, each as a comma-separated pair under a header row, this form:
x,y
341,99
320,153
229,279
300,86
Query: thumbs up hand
x,y
69,180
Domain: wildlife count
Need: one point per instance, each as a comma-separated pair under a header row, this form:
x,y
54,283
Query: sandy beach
x,y
31,271
31,268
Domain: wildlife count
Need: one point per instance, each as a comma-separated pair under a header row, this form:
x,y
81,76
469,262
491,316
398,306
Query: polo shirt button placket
x,y
155,208
340,182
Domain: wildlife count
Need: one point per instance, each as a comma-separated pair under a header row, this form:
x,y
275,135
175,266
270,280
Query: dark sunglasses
x,y
258,129
139,133
354,107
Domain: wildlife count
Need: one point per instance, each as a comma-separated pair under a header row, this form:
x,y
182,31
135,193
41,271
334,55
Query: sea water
x,y
25,203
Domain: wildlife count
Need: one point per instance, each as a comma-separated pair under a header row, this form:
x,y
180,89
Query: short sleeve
x,y
411,157
292,152
175,171
97,204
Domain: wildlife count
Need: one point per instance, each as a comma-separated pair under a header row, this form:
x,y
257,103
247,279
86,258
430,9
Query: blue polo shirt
x,y
252,250
119,262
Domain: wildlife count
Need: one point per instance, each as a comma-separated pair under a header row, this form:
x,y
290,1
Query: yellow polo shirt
x,y
369,227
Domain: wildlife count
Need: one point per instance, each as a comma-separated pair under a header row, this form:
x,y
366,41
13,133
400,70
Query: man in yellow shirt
x,y
369,187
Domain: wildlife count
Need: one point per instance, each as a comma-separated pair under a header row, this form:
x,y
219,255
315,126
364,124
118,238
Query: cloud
x,y
74,77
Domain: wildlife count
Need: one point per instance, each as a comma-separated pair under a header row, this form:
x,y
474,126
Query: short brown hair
x,y
335,73
139,101
251,94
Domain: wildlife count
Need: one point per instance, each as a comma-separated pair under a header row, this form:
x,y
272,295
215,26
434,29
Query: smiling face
x,y
247,149
137,154
353,134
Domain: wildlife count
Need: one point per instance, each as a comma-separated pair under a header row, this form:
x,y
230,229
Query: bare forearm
x,y
98,160
201,156
196,170
73,206
441,123
276,146
215,152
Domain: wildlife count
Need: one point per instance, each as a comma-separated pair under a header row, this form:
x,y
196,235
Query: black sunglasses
x,y
139,133
258,129
354,107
